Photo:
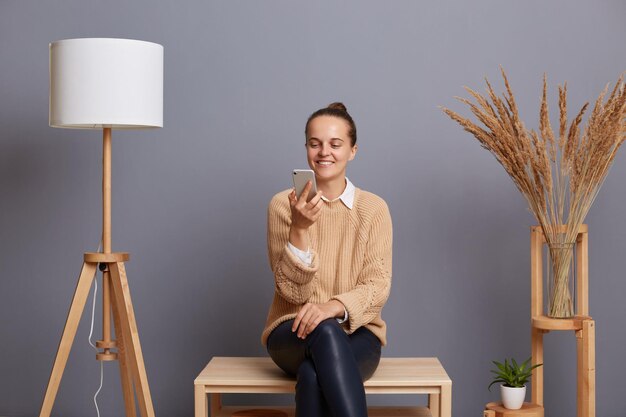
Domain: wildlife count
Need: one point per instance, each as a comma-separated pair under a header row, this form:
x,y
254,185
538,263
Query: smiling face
x,y
328,148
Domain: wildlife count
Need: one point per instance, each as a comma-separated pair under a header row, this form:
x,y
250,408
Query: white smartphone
x,y
300,178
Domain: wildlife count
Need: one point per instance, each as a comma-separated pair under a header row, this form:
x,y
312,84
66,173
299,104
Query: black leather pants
x,y
330,367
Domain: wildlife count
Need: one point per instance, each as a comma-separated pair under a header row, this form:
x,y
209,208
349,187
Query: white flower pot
x,y
512,398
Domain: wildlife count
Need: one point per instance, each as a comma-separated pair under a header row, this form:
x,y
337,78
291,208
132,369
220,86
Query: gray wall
x,y
189,200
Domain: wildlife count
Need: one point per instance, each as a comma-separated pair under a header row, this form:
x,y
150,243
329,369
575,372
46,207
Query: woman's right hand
x,y
303,215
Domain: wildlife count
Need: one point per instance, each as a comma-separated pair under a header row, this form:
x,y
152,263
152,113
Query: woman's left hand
x,y
310,315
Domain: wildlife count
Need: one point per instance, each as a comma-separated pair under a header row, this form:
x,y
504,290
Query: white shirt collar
x,y
347,197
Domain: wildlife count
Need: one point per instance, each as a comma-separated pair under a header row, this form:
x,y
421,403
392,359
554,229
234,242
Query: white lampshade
x,y
99,82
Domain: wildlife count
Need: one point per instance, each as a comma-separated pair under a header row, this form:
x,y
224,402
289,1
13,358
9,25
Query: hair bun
x,y
337,106
338,110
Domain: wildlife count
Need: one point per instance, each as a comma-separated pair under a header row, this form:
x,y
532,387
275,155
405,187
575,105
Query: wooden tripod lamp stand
x,y
106,84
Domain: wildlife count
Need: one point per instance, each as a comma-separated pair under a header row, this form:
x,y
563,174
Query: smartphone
x,y
300,178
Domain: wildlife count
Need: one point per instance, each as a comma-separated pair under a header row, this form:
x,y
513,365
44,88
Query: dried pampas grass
x,y
558,174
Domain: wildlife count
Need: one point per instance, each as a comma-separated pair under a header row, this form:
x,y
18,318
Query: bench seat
x,y
241,375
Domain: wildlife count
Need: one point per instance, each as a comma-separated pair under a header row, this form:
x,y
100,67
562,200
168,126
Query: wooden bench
x,y
230,375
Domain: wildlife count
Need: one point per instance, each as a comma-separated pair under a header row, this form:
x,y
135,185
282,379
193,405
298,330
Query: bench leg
x,y
433,404
200,402
445,409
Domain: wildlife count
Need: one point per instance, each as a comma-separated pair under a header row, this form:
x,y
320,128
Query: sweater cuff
x,y
296,270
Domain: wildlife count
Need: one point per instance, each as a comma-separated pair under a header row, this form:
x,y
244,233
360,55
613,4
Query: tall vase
x,y
561,279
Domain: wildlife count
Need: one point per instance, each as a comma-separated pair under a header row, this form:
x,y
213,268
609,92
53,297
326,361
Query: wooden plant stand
x,y
582,324
527,410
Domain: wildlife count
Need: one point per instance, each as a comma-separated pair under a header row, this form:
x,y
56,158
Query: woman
x,y
331,259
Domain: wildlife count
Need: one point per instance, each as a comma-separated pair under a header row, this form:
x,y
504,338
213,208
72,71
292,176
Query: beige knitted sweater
x,y
351,262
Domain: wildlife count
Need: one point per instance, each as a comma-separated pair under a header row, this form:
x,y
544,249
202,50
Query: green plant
x,y
511,374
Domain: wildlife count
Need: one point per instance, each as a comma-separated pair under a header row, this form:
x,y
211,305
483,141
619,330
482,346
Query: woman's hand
x,y
310,315
303,215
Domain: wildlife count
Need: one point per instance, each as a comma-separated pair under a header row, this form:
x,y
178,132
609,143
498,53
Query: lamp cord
x,y
93,313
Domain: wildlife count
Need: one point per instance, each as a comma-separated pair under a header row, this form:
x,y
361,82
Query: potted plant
x,y
513,379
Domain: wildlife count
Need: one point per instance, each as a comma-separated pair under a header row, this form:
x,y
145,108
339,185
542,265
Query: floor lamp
x,y
106,84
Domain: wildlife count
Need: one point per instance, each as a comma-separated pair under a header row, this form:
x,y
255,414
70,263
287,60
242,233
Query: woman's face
x,y
328,147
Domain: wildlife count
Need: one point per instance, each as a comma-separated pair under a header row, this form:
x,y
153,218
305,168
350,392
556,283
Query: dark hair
x,y
335,110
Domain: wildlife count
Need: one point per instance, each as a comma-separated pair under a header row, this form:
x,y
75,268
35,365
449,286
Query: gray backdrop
x,y
189,200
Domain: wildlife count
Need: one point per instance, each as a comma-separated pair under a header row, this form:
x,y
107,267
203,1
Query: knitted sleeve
x,y
293,278
366,300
